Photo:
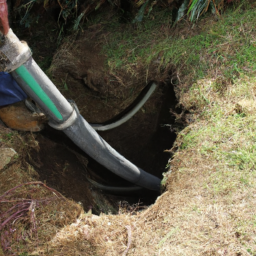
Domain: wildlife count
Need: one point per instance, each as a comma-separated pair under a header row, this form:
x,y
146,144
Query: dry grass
x,y
52,212
208,208
209,205
23,233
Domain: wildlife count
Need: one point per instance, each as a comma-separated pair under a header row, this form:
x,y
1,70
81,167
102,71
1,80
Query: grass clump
x,y
213,170
227,127
216,155
195,49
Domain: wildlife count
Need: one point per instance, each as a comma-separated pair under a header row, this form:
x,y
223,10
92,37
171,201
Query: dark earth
x,y
100,96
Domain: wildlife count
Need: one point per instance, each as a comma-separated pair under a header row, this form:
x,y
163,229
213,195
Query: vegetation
x,y
68,11
209,204
228,45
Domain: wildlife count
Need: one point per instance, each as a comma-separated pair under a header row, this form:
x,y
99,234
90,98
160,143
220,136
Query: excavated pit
x,y
142,140
78,69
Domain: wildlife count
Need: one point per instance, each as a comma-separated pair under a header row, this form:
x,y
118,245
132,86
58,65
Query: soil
x,y
59,168
142,140
101,95
66,170
80,72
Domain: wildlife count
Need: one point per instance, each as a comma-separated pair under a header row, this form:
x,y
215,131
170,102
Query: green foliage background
x,y
75,11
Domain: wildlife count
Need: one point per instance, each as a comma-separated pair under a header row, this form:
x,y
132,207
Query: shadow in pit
x,y
142,140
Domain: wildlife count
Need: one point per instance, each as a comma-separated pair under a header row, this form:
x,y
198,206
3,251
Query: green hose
x,y
40,88
35,87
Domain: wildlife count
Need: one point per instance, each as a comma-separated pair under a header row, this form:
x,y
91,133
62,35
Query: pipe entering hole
x,y
142,140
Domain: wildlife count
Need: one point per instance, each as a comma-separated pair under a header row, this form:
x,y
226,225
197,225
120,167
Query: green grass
x,y
223,76
222,136
218,64
229,45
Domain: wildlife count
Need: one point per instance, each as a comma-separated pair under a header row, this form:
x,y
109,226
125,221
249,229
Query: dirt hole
x,y
142,140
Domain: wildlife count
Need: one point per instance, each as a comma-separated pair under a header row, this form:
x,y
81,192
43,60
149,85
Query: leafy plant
x,y
75,11
197,7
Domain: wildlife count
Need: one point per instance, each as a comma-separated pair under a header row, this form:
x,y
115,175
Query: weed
x,y
65,86
9,135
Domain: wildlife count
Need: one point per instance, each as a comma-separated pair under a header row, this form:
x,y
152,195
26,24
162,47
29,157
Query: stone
x,y
6,155
246,106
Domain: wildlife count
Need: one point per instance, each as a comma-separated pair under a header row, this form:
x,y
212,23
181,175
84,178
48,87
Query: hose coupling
x,y
68,122
13,52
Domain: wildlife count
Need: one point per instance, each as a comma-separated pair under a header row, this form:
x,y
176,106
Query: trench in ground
x,y
142,140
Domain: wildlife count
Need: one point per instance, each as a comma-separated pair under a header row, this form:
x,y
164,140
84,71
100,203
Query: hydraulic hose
x,y
66,118
114,190
63,116
41,89
84,136
129,112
